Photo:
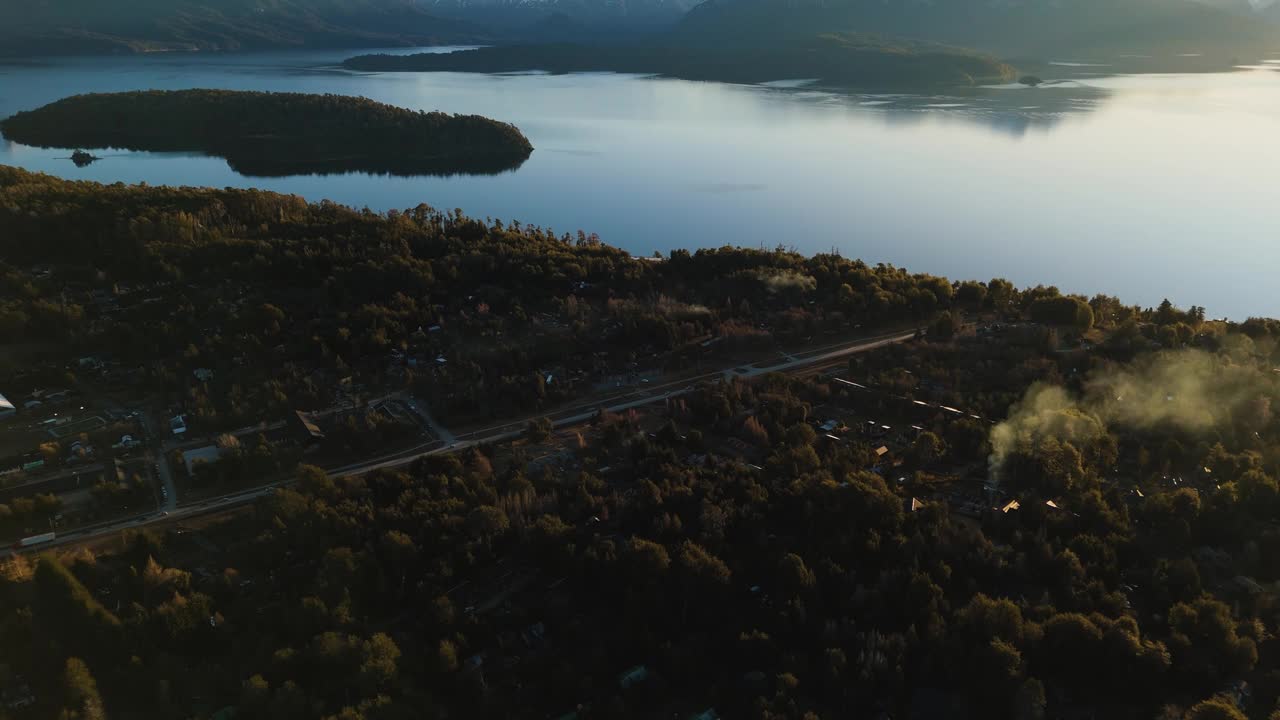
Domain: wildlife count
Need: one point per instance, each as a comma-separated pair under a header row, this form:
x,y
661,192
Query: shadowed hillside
x,y
833,58
54,27
1019,28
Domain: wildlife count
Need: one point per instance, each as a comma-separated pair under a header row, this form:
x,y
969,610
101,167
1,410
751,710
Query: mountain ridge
x,y
1011,28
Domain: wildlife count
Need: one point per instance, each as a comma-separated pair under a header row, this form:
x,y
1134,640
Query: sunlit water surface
x,y
1142,186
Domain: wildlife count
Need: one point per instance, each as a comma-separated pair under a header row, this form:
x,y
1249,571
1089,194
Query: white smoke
x,y
1190,390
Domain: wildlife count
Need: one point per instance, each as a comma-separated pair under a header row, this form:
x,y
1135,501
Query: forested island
x,y
1043,506
835,58
272,134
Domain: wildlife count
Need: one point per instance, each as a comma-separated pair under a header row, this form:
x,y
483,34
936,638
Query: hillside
x,y
833,58
276,133
535,20
1018,28
51,27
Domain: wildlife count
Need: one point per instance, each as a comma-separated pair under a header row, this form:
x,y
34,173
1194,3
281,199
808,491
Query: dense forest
x,y
844,59
722,558
285,300
277,133
1046,506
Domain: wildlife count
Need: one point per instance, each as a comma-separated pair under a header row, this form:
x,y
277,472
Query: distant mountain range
x,y
1019,29
46,27
50,27
1012,28
530,17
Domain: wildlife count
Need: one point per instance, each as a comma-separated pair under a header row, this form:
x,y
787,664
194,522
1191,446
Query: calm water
x,y
1141,186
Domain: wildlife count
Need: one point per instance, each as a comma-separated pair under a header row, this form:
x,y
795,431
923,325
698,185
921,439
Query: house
x,y
305,427
127,442
881,451
6,408
916,505
1010,507
203,374
178,425
206,454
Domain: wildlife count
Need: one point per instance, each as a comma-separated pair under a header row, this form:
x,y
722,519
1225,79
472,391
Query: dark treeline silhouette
x,y
277,133
844,59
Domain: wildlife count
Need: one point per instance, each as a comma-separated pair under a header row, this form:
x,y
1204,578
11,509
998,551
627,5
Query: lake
x,y
1141,186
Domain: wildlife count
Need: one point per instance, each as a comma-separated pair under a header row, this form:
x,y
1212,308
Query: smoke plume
x,y
1189,390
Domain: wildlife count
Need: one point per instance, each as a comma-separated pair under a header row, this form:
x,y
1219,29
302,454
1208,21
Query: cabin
x,y
305,428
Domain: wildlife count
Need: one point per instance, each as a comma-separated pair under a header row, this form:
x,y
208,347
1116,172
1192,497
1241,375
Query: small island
x,y
83,159
840,59
275,134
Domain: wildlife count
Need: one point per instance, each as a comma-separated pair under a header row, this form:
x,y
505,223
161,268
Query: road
x,y
498,433
168,498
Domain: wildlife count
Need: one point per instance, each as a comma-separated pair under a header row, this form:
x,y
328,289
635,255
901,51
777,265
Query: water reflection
x,y
1088,182
1013,110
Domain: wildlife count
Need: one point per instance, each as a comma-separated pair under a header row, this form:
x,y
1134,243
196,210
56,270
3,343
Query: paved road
x,y
498,433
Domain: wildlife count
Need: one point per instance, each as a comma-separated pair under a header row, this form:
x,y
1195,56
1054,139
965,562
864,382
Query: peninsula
x,y
274,134
845,59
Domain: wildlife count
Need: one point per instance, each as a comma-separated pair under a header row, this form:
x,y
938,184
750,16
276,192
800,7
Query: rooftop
x,y
5,404
206,454
309,427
